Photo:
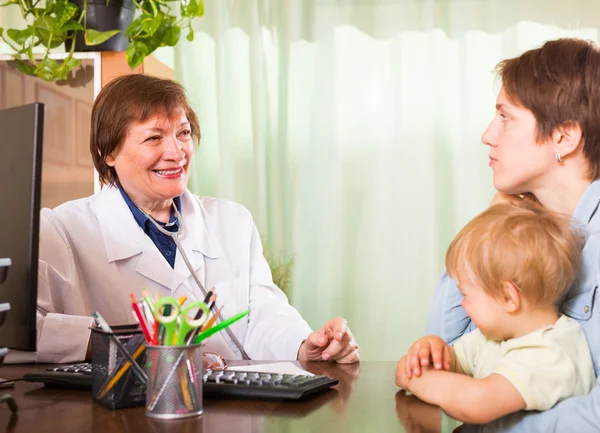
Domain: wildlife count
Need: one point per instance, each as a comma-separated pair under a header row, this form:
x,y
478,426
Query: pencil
x,y
212,301
212,320
110,385
185,391
208,295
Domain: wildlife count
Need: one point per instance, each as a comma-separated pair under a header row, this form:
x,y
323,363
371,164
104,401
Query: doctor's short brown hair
x,y
127,100
560,84
536,250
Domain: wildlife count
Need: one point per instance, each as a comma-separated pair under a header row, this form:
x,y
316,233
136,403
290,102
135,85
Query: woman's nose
x,y
488,137
174,149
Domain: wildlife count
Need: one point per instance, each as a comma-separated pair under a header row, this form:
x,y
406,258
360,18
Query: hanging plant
x,y
52,23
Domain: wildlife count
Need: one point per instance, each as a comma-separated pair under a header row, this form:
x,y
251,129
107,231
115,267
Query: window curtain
x,y
351,130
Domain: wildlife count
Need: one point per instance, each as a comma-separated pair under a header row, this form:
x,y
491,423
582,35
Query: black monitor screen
x,y
21,132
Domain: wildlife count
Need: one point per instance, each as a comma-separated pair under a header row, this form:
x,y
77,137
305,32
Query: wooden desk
x,y
365,400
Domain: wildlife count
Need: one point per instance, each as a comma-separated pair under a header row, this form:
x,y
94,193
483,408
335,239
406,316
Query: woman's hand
x,y
333,342
430,350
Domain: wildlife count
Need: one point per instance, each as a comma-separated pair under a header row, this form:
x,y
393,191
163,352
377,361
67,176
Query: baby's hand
x,y
401,379
431,348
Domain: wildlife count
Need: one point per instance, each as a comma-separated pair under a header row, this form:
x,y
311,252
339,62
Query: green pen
x,y
224,324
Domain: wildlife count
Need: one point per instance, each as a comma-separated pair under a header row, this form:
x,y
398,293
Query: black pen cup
x,y
174,388
116,383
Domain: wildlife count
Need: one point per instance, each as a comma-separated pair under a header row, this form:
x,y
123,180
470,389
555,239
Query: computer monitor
x,y
21,134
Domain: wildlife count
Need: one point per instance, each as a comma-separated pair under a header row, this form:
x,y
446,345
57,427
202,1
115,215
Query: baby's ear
x,y
511,298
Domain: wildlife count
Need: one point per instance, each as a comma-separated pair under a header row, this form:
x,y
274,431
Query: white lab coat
x,y
93,254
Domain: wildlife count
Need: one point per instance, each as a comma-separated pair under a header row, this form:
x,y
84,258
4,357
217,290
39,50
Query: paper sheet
x,y
276,367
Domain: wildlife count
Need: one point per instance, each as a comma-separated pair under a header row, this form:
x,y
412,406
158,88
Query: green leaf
x,y
64,12
190,9
200,8
25,67
40,12
68,64
171,36
20,36
154,41
151,25
43,29
190,35
94,37
47,69
136,52
44,22
71,26
44,38
134,27
71,63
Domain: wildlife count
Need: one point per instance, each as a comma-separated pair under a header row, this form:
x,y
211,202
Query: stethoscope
x,y
176,235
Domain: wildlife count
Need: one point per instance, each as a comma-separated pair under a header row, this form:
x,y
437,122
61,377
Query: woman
x,y
95,251
544,140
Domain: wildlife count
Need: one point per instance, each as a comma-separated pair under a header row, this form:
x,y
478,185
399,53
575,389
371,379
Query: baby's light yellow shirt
x,y
545,366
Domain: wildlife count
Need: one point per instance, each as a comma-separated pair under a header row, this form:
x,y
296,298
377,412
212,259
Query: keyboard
x,y
217,383
75,376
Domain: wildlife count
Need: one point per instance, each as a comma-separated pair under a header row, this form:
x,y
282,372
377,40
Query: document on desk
x,y
276,367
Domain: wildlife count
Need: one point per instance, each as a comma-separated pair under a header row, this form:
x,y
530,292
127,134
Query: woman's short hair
x,y
536,250
127,100
560,84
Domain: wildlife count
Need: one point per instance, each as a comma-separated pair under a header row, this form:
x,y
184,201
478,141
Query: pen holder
x,y
174,388
115,383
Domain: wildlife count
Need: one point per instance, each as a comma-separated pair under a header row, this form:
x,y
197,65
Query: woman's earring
x,y
558,157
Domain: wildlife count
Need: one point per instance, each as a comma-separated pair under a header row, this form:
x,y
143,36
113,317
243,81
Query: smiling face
x,y
153,163
520,163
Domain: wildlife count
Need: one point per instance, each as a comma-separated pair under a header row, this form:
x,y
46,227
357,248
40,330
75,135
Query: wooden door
x,y
67,169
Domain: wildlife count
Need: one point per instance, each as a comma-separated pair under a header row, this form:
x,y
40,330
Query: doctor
x,y
95,251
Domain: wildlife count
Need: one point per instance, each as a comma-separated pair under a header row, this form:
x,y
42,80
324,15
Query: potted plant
x,y
86,25
158,25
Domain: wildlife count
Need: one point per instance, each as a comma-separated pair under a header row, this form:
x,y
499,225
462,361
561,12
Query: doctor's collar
x,y
142,219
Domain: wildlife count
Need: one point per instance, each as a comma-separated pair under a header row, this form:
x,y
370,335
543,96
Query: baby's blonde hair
x,y
536,250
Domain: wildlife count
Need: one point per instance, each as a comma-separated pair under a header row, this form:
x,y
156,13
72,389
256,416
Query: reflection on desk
x,y
365,400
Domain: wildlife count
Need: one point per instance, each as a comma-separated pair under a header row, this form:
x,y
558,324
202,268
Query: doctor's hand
x,y
333,342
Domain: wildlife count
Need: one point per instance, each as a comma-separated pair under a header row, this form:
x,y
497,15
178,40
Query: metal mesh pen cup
x,y
174,388
115,383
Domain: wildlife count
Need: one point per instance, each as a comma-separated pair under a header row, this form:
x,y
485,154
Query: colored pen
x,y
196,396
155,333
141,374
140,317
148,300
224,324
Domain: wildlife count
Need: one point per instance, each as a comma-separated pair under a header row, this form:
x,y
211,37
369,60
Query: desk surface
x,y
365,400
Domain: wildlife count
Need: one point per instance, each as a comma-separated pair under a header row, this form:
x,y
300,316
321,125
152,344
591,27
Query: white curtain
x,y
351,130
